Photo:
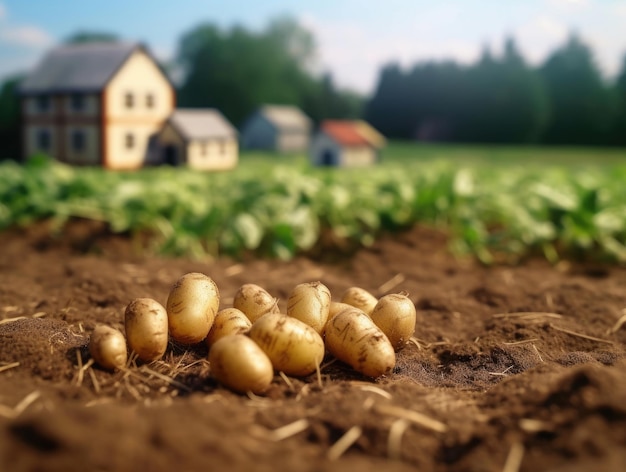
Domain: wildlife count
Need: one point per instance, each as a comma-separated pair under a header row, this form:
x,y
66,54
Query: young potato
x,y
360,298
145,321
353,338
191,307
254,301
228,321
310,303
240,364
294,347
335,308
395,315
107,347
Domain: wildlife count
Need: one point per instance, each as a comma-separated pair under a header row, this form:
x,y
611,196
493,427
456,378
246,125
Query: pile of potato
x,y
251,340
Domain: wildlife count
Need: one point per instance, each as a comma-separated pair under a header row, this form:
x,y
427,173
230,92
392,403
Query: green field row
x,y
494,202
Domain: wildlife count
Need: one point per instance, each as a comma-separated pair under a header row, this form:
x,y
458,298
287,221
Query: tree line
x,y
563,101
495,100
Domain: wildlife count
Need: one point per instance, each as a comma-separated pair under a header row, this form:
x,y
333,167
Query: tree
x,y
619,125
524,100
581,107
389,109
237,70
324,100
10,131
508,97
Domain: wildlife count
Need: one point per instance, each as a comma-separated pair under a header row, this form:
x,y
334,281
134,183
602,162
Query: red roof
x,y
345,133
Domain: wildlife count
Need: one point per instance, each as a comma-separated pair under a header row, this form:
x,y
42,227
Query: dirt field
x,y
516,368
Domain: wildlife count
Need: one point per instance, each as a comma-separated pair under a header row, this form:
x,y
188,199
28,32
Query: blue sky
x,y
354,38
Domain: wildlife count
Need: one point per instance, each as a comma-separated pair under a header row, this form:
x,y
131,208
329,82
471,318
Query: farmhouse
x,y
346,143
277,128
200,138
96,104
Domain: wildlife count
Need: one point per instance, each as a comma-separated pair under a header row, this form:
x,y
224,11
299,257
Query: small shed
x,y
199,138
346,143
279,128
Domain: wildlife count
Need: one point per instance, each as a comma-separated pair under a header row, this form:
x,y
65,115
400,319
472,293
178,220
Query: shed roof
x,y
83,67
286,117
371,134
352,133
201,123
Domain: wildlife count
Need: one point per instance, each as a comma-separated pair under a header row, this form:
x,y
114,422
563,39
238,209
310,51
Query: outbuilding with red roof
x,y
346,143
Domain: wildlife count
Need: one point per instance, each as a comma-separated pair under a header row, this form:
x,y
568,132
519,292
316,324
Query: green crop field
x,y
494,202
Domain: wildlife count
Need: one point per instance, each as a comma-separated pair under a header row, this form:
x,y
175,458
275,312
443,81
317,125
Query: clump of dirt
x,y
511,368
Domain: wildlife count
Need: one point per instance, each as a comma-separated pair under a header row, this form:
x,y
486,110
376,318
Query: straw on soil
x,y
344,443
412,416
394,441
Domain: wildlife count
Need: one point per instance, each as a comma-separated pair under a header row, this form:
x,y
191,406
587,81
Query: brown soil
x,y
516,368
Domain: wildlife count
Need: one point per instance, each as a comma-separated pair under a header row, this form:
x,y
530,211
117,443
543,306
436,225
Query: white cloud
x,y
620,9
550,29
29,36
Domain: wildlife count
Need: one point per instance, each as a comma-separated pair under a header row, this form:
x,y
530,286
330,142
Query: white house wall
x,y
122,156
360,156
293,141
213,154
141,78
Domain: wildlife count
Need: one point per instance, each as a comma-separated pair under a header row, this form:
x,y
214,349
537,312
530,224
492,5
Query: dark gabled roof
x,y
198,123
286,117
83,67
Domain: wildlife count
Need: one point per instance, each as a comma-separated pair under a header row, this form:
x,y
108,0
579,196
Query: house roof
x,y
85,67
352,133
286,117
371,134
201,123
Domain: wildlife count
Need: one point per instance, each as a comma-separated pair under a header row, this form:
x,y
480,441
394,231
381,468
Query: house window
x,y
43,140
78,141
43,103
129,100
77,102
222,147
130,140
150,100
203,147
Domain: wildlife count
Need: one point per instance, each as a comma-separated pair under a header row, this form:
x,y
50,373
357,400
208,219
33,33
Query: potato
x,y
335,308
294,347
145,321
353,338
310,303
240,364
254,301
359,298
228,321
395,315
191,307
107,347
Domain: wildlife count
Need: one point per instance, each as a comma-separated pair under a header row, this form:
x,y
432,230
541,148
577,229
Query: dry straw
x,y
344,442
